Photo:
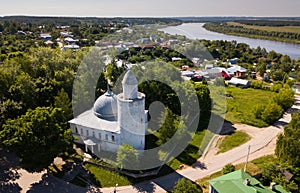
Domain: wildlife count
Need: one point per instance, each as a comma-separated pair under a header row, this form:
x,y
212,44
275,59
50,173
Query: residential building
x,y
241,182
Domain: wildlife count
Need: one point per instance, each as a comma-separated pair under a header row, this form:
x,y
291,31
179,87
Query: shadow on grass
x,y
168,182
50,184
165,179
186,158
8,172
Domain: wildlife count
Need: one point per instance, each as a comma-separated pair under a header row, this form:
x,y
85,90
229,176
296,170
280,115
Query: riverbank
x,y
279,34
197,31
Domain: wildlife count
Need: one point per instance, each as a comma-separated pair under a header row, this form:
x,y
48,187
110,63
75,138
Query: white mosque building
x,y
114,120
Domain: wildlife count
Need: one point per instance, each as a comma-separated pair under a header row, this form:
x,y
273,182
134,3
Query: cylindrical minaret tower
x,y
131,113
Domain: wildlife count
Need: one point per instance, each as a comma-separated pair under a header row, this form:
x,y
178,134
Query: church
x,y
113,120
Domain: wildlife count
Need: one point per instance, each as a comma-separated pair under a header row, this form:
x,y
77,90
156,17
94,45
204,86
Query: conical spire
x,y
129,78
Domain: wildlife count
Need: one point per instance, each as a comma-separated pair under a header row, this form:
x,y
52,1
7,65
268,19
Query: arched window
x,y
113,138
99,135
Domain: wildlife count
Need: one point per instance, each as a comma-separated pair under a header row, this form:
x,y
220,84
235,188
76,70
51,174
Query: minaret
x,y
132,116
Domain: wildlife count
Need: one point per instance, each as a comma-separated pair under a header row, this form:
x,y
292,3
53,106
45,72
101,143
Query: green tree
x,y
279,75
273,172
285,97
285,63
127,157
261,67
113,72
8,110
205,102
288,143
38,136
62,101
271,113
169,124
186,186
228,168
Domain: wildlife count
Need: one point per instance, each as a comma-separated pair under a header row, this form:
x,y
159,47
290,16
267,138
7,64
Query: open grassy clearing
x,y
240,105
233,140
292,29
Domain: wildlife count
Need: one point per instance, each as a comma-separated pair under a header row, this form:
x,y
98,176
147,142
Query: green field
x,y
233,140
240,105
292,29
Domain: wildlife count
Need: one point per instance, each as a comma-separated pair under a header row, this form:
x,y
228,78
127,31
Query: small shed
x,y
239,82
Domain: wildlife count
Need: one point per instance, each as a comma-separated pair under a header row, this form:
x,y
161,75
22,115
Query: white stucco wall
x,y
131,119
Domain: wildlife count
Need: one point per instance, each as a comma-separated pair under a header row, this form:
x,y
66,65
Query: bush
x,y
279,75
276,87
271,113
228,168
257,84
185,186
285,98
219,81
258,110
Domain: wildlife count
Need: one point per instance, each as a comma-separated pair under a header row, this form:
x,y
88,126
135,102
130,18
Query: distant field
x,y
292,29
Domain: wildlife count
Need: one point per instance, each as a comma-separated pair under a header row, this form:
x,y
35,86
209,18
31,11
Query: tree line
x,y
239,30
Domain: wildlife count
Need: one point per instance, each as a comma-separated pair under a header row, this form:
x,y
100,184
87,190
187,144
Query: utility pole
x,y
245,167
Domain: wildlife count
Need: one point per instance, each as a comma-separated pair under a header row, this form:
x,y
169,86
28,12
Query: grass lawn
x,y
106,178
240,106
253,168
233,140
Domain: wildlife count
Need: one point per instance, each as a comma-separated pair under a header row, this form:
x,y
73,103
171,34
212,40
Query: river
x,y
196,31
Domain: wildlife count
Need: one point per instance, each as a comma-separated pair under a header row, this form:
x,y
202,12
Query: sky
x,y
150,8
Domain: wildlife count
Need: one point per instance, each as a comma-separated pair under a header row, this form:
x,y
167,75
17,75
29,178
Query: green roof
x,y
234,182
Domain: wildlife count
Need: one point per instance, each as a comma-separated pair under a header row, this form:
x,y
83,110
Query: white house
x,y
114,120
237,71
